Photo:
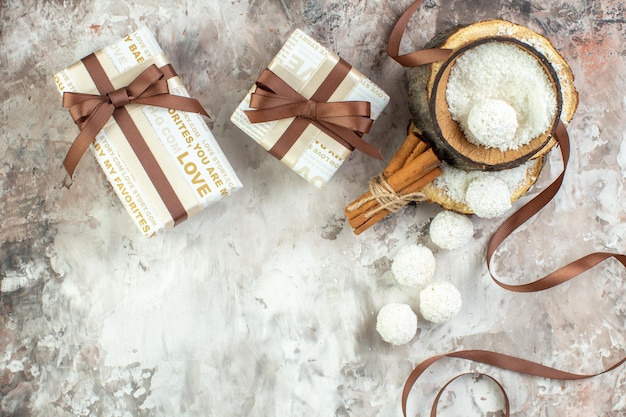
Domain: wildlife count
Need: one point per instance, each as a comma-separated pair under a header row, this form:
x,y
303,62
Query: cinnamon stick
x,y
417,151
405,176
422,182
363,222
413,170
400,157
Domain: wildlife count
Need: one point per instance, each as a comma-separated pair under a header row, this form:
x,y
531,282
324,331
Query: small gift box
x,y
146,133
310,109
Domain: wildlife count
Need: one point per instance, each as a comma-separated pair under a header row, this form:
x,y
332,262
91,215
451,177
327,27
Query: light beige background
x,y
265,303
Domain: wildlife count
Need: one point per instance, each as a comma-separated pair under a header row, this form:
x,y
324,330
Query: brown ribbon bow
x,y
92,111
345,121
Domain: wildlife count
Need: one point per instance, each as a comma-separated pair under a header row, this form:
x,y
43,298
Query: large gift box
x,y
146,133
310,109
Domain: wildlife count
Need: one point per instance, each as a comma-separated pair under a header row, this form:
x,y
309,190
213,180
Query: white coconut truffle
x,y
439,302
492,124
450,230
413,265
505,72
396,323
488,197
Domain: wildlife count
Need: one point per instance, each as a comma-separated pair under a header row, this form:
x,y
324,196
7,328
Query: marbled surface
x,y
265,303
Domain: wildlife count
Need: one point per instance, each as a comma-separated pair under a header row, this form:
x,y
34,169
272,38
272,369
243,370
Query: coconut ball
x,y
396,323
439,302
492,124
450,230
488,196
413,265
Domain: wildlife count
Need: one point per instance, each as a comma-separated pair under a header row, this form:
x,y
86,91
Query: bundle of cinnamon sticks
x,y
412,167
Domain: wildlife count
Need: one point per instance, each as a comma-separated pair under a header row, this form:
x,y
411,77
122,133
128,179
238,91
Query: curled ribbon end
x,y
69,168
203,112
252,115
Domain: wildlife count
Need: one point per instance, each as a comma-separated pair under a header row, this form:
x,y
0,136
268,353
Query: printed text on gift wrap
x,y
123,58
186,145
197,171
301,56
125,185
128,52
318,163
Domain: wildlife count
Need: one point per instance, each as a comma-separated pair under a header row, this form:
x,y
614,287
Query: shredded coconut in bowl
x,y
501,71
450,230
396,323
414,265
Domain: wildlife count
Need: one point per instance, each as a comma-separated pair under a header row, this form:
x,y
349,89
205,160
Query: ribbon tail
x,y
366,147
416,58
349,139
90,129
499,360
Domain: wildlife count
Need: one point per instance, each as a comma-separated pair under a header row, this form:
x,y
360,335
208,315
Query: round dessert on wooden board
x,y
437,191
429,108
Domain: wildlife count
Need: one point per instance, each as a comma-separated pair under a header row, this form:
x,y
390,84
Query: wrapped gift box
x,y
163,163
315,77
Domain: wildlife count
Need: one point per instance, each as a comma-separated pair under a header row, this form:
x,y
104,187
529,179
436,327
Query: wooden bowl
x,y
429,108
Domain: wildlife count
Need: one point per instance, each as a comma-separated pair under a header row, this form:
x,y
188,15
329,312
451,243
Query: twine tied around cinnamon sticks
x,y
412,167
386,197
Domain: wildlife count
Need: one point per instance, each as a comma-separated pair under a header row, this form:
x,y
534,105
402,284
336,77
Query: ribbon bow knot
x,y
91,112
119,97
309,111
345,121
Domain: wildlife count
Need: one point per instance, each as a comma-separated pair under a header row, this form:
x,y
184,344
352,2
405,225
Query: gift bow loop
x,y
344,121
149,83
91,112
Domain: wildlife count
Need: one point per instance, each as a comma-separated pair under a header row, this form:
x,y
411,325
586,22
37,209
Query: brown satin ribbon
x,y
415,58
531,208
500,360
91,112
560,276
345,122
